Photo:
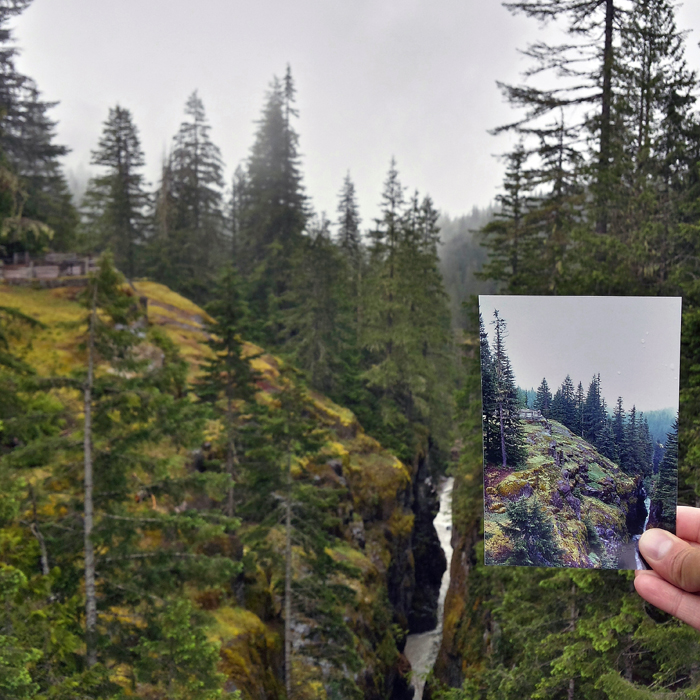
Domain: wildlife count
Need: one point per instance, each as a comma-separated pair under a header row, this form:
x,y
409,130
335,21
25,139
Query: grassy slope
x,y
373,490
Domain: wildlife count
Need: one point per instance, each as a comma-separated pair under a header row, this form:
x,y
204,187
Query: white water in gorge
x,y
422,649
635,538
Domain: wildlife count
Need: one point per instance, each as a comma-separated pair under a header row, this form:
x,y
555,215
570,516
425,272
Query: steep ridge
x,y
384,507
593,505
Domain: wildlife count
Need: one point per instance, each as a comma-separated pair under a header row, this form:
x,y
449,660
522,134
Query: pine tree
x,y
274,212
319,324
588,60
568,404
510,237
543,400
490,423
229,380
124,409
30,154
593,414
512,451
116,202
190,210
405,324
662,512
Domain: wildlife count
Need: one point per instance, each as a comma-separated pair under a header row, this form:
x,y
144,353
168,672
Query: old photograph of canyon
x,y
580,402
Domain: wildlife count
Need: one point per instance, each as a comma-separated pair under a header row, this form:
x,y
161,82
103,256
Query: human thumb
x,y
672,558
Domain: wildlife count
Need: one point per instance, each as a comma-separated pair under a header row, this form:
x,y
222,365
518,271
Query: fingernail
x,y
655,544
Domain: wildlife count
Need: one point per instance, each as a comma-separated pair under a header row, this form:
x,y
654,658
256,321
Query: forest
x,y
567,484
219,448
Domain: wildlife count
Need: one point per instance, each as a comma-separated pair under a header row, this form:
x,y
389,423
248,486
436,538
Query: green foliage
x,y
188,243
174,656
533,534
115,203
504,441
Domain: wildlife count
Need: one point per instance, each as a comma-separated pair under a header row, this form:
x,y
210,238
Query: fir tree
x,y
662,512
229,380
543,399
115,203
511,437
274,212
189,207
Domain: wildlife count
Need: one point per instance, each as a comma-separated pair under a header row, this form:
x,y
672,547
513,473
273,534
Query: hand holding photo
x,y
580,426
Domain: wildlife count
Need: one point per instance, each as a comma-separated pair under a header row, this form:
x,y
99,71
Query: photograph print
x,y
580,427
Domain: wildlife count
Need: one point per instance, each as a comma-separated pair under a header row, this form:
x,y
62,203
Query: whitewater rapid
x,y
422,649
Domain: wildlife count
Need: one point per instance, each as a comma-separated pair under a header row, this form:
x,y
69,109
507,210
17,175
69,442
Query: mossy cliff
x,y
592,505
384,511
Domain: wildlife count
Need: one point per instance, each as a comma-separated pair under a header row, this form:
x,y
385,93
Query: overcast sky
x,y
633,342
414,79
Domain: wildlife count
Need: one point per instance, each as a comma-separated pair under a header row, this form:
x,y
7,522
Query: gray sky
x,y
375,78
634,342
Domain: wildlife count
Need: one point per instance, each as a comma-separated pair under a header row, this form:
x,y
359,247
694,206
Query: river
x,y
422,649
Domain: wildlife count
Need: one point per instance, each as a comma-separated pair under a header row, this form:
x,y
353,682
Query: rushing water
x,y
635,538
422,649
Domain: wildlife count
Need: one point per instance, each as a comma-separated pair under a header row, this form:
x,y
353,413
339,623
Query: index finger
x,y
688,523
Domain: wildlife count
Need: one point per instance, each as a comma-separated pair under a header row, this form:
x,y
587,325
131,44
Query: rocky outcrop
x,y
593,506
430,562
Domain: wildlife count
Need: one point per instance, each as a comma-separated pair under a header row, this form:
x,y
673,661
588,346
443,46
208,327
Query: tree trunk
x,y
231,460
90,598
503,435
288,583
605,126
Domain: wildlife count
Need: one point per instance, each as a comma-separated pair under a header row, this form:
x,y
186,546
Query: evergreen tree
x,y
512,450
543,400
587,59
490,422
532,533
229,380
320,325
124,409
30,155
509,237
594,414
568,404
662,512
274,212
405,319
115,203
556,411
189,207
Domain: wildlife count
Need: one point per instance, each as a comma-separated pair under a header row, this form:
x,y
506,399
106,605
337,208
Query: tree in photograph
x,y
662,512
594,413
490,422
580,399
115,203
543,399
568,404
556,411
619,420
510,430
532,533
